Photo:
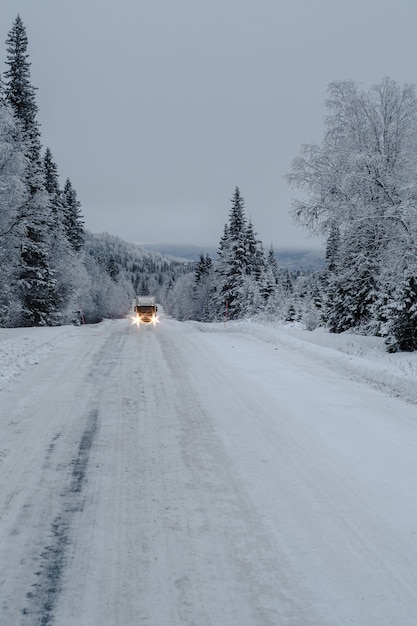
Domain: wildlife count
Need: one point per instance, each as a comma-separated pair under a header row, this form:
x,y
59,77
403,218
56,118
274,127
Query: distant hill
x,y
296,259
182,251
291,258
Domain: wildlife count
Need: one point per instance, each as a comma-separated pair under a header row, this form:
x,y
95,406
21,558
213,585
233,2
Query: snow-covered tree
x,y
36,281
37,286
400,329
240,266
273,264
203,267
66,261
361,189
19,91
51,179
13,193
73,220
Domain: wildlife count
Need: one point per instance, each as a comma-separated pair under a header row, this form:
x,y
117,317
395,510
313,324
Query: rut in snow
x,y
53,556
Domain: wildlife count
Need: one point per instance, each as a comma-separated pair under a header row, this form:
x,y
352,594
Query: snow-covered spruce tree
x,y
255,256
330,273
254,292
73,220
272,263
19,91
203,267
220,272
231,267
201,294
362,181
13,193
239,282
272,288
400,329
36,281
67,262
51,181
354,283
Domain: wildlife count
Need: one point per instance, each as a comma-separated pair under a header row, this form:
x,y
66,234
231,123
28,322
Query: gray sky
x,y
156,110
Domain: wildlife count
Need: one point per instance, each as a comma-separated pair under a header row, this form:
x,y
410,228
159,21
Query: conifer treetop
x,y
18,88
237,219
51,173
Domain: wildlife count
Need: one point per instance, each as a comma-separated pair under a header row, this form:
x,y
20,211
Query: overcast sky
x,y
157,110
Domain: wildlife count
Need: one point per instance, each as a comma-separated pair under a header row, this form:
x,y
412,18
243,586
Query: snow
x,y
206,474
356,355
22,347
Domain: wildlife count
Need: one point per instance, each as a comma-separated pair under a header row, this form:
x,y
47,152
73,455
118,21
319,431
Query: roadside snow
x,y
23,347
355,355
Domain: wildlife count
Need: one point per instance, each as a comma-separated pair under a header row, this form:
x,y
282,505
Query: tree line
x,y
242,281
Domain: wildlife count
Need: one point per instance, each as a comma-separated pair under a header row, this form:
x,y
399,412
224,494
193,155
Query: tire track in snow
x,y
43,598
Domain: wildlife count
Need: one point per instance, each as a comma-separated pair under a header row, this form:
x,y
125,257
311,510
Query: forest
x,y
358,190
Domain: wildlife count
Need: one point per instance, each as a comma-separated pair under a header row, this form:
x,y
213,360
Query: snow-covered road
x,y
191,475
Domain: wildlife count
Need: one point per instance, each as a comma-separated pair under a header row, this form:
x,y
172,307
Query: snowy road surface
x,y
174,477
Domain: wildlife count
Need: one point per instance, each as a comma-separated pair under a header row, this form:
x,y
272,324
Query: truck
x,y
145,310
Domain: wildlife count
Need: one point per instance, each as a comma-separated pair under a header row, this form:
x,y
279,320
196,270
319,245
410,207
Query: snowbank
x,y
24,347
355,355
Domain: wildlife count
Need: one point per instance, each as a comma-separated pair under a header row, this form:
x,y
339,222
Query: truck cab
x,y
145,309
